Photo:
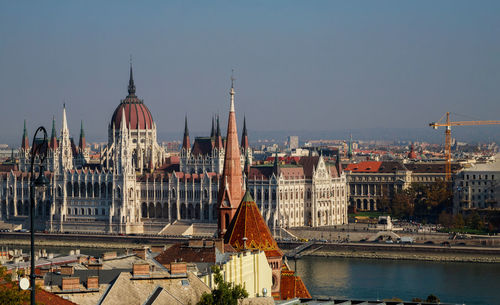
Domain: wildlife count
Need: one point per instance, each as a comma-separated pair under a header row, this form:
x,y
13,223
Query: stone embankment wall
x,y
357,233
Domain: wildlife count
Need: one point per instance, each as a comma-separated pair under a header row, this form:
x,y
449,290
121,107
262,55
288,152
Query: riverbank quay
x,y
87,240
400,252
448,253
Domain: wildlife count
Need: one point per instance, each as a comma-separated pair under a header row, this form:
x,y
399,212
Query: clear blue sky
x,y
299,65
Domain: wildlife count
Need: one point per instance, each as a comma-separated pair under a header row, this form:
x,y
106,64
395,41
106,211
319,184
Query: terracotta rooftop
x,y
291,286
248,223
366,166
375,167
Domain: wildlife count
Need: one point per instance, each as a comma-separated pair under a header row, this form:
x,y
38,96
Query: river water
x,y
469,283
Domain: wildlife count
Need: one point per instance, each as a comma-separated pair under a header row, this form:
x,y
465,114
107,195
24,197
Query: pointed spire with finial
x,y
25,144
244,135
231,92
185,142
53,136
231,190
212,132
218,136
131,85
82,144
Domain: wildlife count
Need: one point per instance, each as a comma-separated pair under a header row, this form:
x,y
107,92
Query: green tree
x,y
403,203
225,293
474,221
445,219
9,291
458,221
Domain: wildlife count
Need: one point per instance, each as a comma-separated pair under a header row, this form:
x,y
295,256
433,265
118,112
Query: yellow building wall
x,y
251,270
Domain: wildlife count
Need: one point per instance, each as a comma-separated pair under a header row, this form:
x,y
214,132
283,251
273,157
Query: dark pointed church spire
x,y
131,85
244,135
185,142
25,142
212,132
218,136
53,136
82,143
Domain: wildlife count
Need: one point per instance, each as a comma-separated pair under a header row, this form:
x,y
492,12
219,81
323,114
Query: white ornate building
x,y
132,189
308,193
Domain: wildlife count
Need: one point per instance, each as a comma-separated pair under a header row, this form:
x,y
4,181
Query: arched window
x,y
82,189
103,190
75,189
96,189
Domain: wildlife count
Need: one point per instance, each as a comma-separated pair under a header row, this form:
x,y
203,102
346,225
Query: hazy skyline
x,y
299,65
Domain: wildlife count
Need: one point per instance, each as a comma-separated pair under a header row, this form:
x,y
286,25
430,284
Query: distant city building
x,y
478,187
371,181
293,142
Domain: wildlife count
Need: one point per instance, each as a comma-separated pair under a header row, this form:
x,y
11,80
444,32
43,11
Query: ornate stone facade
x,y
309,193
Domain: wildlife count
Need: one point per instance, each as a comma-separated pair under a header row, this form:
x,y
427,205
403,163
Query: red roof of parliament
x,y
137,115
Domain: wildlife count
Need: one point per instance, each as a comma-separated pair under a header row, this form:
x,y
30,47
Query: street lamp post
x,y
40,184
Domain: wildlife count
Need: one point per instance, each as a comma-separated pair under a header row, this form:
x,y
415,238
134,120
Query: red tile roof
x,y
248,223
365,167
42,297
291,286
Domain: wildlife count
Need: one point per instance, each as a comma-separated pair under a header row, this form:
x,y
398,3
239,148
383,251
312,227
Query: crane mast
x,y
447,133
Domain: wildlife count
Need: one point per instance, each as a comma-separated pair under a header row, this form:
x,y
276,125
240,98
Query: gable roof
x,y
202,146
248,223
309,164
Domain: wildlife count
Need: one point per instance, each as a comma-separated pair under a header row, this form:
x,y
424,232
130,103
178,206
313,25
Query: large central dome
x,y
137,115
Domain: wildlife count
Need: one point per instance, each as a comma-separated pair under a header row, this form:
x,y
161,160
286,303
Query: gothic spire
x,y
131,85
53,136
276,163
218,136
82,143
244,135
25,144
185,142
212,132
231,188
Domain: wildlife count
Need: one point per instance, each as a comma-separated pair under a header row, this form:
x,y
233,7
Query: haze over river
x,y
469,283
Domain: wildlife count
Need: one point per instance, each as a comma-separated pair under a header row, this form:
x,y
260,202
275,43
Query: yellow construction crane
x,y
448,124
